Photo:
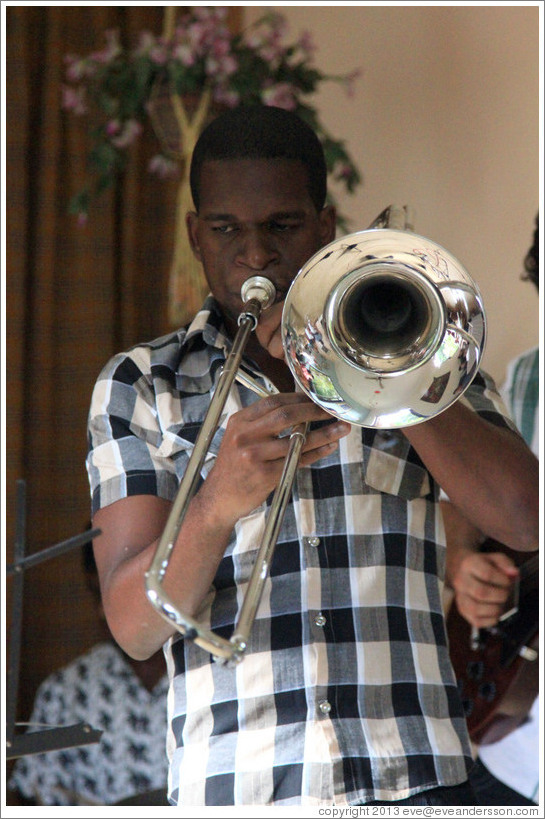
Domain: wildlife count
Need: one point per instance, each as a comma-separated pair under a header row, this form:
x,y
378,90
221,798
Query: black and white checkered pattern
x,y
346,693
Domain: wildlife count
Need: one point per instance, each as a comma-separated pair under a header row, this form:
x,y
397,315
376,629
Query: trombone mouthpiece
x,y
259,288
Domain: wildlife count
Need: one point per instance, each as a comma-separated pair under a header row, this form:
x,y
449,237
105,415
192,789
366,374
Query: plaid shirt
x,y
346,693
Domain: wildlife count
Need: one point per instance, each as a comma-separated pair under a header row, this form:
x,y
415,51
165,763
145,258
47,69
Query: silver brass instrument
x,y
382,328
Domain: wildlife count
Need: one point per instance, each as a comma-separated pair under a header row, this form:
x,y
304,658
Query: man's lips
x,y
281,292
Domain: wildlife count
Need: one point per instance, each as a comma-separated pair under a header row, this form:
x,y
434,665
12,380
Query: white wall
x,y
446,119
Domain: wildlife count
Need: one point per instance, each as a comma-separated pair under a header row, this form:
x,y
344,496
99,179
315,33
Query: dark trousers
x,y
456,795
491,791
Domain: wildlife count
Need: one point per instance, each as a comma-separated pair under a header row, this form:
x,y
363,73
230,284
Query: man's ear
x,y
328,224
191,222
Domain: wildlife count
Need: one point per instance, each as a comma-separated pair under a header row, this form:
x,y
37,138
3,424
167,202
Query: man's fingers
x,y
273,448
504,565
278,413
269,331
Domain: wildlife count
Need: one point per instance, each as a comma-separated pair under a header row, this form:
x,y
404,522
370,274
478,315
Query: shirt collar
x,y
209,325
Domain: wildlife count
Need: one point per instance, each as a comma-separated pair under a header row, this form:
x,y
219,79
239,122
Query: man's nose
x,y
256,250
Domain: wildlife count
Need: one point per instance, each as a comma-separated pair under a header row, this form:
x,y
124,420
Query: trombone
x,y
382,328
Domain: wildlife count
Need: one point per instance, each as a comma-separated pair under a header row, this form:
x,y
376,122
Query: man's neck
x,y
275,369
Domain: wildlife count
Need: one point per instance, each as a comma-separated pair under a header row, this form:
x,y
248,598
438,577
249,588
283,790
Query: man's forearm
x,y
487,471
135,624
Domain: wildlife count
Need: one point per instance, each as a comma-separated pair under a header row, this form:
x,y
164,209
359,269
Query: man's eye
x,y
281,227
224,228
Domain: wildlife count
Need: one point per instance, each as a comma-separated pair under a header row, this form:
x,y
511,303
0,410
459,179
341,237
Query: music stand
x,y
48,739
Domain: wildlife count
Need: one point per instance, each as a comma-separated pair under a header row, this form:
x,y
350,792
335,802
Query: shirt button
x,y
312,541
324,706
320,619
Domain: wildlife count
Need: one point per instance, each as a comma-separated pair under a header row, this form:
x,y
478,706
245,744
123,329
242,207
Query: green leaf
x,y
80,202
104,157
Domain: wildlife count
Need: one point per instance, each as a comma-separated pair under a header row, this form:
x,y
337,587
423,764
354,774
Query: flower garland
x,y
178,81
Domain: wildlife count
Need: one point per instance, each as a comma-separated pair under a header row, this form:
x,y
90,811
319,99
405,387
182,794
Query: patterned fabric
x,y
521,394
346,693
101,689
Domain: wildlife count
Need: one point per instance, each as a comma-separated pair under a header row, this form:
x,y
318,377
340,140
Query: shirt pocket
x,y
389,466
181,422
177,447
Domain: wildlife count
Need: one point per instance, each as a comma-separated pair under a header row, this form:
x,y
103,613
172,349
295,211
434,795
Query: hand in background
x,y
482,584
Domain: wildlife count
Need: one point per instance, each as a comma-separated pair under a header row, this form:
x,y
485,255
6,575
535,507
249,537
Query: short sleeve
x,y
124,435
484,398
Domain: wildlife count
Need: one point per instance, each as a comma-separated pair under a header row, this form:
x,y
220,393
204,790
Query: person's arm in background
x,y
481,581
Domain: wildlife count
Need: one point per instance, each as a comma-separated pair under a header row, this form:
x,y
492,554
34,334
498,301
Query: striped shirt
x,y
521,394
346,693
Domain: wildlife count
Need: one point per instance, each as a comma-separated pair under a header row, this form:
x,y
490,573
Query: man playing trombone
x,y
345,694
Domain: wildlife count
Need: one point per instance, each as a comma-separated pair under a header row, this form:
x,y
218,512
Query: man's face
x,y
256,217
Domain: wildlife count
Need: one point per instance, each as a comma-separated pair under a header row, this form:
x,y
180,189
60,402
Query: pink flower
x,y
281,96
306,44
210,13
202,34
151,46
266,37
159,54
229,65
226,96
73,99
199,36
183,53
130,131
163,166
112,50
76,67
146,41
273,54
222,67
113,127
344,172
350,81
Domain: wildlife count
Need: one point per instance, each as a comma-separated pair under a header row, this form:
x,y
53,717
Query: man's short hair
x,y
261,132
531,262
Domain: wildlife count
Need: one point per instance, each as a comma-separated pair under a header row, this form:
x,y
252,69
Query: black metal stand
x,y
49,739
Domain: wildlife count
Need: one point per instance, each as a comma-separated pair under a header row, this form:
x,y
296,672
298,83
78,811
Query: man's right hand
x,y
251,456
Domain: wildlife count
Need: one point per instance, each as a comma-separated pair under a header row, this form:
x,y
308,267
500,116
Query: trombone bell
x,y
383,328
